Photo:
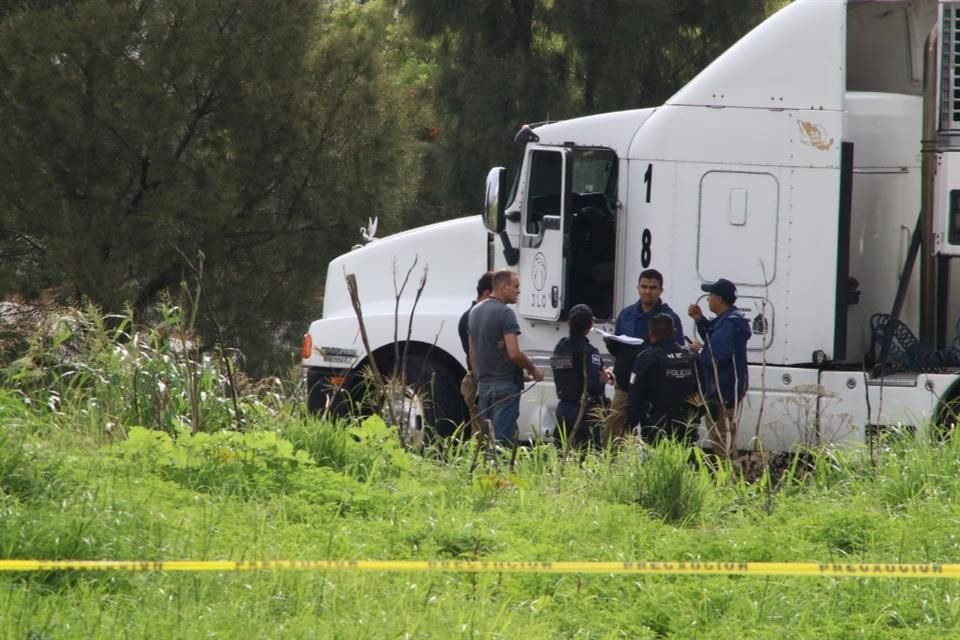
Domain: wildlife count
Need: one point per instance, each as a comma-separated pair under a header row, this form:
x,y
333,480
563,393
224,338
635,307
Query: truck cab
x,y
810,164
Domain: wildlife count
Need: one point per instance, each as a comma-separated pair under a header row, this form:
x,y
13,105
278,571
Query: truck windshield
x,y
593,172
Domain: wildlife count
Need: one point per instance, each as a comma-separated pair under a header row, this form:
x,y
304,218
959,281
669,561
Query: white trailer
x,y
798,165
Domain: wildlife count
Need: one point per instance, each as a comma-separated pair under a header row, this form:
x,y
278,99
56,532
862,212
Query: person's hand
x,y
536,374
695,312
608,374
695,346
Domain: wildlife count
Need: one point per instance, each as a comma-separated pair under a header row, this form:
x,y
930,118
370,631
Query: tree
x,y
502,63
495,71
626,54
137,133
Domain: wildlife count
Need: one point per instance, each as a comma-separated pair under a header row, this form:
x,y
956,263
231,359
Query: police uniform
x,y
664,378
577,363
633,321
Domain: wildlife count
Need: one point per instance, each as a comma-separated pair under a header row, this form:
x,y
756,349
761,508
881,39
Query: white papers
x,y
619,338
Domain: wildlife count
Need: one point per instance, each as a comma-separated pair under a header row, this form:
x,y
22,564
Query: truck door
x,y
545,208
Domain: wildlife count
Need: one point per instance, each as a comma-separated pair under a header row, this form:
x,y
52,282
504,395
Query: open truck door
x,y
544,212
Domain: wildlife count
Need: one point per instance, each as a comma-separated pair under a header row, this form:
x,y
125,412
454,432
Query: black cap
x,y
579,318
723,288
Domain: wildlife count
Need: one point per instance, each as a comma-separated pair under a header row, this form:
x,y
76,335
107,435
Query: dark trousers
x,y
587,433
682,429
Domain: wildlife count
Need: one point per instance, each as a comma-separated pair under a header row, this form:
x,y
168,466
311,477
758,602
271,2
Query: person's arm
x,y
618,327
463,330
613,347
519,358
703,330
703,325
471,354
595,375
721,343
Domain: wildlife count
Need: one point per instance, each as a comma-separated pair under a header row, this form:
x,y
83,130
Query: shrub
x,y
363,450
243,464
661,480
107,371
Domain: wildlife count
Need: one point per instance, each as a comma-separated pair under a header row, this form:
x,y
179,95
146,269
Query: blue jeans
x,y
500,403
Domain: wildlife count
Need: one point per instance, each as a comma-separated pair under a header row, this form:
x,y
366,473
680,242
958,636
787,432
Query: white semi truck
x,y
813,163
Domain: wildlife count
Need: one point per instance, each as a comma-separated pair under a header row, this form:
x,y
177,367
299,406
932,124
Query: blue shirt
x,y
723,359
635,322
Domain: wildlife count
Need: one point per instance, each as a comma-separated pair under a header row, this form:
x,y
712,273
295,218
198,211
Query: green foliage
x,y
501,64
291,487
109,372
849,533
29,467
17,466
665,480
915,467
365,451
495,69
239,464
669,41
260,134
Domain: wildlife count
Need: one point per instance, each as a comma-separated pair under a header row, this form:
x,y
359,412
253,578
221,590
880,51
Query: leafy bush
x,y
242,464
363,450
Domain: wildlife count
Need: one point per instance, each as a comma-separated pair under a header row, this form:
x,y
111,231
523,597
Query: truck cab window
x,y
546,180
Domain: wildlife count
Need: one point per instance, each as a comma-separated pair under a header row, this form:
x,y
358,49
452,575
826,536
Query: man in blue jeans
x,y
498,362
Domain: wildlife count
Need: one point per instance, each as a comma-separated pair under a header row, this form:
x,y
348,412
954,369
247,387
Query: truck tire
x,y
433,385
947,417
316,392
429,379
323,395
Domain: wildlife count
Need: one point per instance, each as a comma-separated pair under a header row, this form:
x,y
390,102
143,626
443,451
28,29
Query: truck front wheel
x,y
430,403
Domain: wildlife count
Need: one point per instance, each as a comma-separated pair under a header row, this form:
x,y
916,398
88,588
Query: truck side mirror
x,y
494,203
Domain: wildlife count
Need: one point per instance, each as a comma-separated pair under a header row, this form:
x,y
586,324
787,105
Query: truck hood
x,y
450,255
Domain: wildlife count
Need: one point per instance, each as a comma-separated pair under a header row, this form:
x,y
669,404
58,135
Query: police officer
x,y
662,384
579,377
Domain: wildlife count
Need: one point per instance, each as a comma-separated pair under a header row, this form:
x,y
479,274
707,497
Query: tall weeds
x,y
107,373
669,481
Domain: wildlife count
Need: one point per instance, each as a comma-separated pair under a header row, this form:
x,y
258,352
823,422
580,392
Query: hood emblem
x,y
369,232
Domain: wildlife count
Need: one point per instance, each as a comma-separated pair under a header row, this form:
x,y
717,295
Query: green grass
x,y
290,487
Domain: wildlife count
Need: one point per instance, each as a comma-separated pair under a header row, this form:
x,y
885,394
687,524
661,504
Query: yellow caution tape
x,y
859,569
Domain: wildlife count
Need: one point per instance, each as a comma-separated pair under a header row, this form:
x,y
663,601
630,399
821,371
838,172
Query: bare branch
x,y
354,292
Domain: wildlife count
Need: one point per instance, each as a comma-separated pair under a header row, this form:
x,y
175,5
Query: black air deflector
x,y
842,287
